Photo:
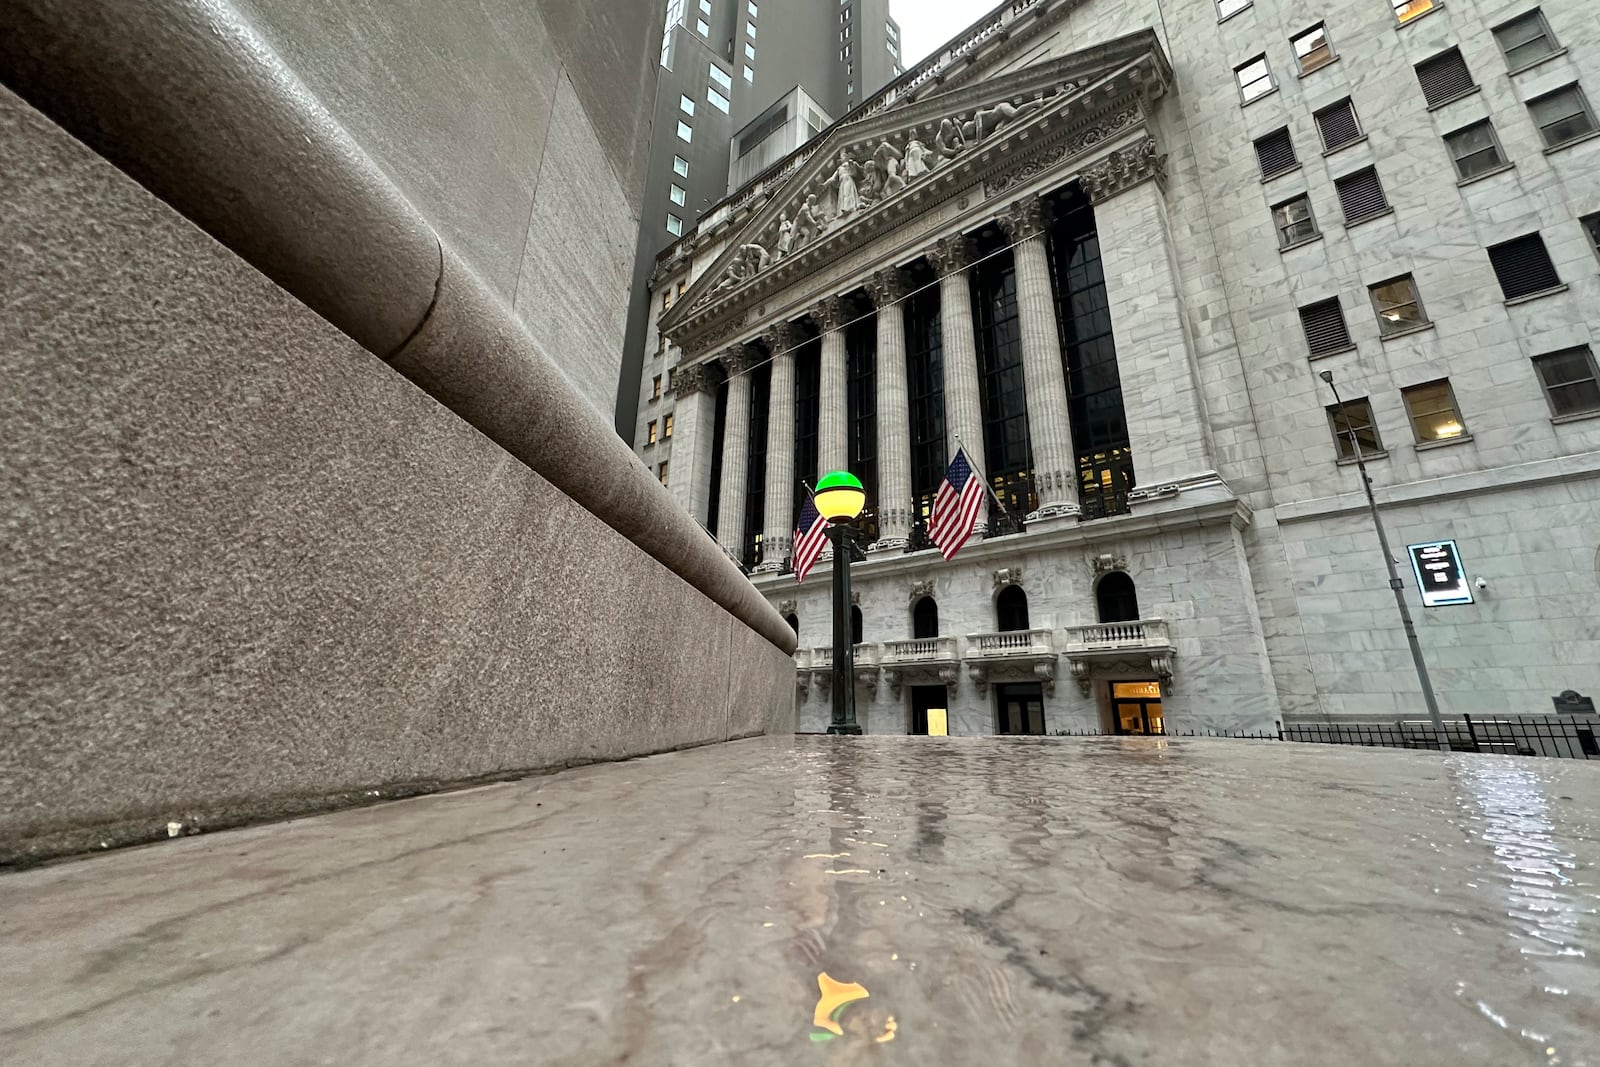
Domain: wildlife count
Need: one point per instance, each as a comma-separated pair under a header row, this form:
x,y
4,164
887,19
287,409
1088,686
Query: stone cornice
x,y
691,380
1124,169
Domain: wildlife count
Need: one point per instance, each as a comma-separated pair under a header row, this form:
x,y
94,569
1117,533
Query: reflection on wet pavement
x,y
841,901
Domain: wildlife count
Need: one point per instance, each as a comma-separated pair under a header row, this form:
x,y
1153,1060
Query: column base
x,y
889,544
775,567
1058,510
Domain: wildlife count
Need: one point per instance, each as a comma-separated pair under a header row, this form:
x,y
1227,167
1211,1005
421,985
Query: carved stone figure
x,y
808,220
986,121
785,235
755,259
871,183
888,158
919,160
950,141
844,183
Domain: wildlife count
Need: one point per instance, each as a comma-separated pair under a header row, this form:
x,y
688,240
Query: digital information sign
x,y
1440,574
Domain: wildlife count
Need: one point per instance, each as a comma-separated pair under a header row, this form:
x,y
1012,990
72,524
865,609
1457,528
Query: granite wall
x,y
251,568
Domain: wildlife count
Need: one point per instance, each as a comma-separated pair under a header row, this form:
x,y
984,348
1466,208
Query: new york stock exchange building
x,y
1108,251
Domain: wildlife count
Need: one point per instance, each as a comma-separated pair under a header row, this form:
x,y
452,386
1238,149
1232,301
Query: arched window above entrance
x,y
1011,608
855,625
1116,599
794,622
925,618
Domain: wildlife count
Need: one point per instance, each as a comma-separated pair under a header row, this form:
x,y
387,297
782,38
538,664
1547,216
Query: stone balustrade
x,y
1118,636
1011,644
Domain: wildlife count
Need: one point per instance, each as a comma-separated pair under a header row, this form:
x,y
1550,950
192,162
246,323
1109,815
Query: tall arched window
x,y
925,618
855,625
1115,598
1011,608
794,622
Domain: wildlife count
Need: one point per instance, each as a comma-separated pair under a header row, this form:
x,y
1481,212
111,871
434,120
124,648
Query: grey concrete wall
x,y
251,570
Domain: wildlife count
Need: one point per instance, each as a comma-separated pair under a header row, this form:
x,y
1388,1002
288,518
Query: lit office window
x,y
1406,10
1433,411
1397,305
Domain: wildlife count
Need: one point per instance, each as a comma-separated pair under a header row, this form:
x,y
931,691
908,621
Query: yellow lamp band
x,y
842,504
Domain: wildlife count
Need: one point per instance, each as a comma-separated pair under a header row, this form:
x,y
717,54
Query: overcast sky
x,y
927,24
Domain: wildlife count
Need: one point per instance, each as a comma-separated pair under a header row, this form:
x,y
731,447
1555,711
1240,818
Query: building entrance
x,y
1019,708
1136,708
930,711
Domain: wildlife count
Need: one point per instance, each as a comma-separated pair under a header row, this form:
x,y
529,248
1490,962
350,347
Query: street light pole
x,y
1395,583
844,652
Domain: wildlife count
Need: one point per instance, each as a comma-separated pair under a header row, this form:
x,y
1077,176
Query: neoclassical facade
x,y
1060,244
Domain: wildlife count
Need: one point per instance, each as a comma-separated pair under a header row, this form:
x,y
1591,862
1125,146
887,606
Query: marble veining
x,y
1023,900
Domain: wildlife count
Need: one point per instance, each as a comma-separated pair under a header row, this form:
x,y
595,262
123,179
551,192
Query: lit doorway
x,y
930,711
1136,708
1019,708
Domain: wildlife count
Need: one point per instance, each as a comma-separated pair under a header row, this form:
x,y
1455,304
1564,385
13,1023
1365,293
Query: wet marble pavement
x,y
852,901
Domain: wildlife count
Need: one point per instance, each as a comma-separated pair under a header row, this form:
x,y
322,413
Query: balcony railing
x,y
1011,644
921,650
1137,635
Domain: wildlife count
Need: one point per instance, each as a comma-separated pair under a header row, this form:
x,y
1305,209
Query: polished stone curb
x,y
189,100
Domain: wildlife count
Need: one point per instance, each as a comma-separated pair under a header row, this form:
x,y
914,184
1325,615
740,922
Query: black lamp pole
x,y
844,654
1394,578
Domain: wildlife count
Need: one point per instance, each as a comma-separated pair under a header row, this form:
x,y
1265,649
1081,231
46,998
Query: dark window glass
x,y
1275,153
718,434
1011,609
755,499
807,392
1591,226
1570,381
925,383
1562,116
1444,78
1474,149
1525,40
855,625
925,618
1294,222
1352,422
1337,125
1000,385
1089,356
1361,196
1523,267
1116,598
861,392
1325,327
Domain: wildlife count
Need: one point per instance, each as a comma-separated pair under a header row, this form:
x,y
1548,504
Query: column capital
x,y
739,359
950,255
1024,219
829,313
1123,169
887,286
782,337
692,379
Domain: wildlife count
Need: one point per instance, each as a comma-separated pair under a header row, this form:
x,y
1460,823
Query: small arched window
x,y
1116,599
1011,608
925,618
794,622
855,625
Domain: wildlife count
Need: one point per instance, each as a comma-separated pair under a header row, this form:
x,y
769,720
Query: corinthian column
x,y
888,289
963,411
779,526
1054,461
735,453
696,412
833,448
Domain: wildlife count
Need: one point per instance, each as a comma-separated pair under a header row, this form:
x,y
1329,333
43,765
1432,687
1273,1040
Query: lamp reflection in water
x,y
833,1017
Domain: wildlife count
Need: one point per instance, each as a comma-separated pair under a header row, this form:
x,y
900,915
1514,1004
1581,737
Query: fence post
x,y
1472,732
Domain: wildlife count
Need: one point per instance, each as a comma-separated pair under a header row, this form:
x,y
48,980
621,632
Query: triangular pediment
x,y
901,155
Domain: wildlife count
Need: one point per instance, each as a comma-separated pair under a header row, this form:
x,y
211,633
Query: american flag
x,y
809,538
956,506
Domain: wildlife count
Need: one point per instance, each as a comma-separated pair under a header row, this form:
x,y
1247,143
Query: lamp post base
x,y
853,729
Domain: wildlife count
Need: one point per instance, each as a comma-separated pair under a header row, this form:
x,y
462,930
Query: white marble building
x,y
1110,245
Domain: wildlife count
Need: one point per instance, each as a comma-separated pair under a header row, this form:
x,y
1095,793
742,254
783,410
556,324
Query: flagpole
x,y
990,489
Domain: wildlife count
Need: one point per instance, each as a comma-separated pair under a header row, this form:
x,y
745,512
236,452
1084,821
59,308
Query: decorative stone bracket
x,y
1106,563
921,589
1007,576
1082,668
982,673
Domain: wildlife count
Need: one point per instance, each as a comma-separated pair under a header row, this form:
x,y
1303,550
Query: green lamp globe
x,y
840,496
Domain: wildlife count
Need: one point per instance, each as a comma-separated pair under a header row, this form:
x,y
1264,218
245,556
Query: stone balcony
x,y
1144,644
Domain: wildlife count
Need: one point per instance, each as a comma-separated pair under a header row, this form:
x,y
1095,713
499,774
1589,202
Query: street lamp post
x,y
839,499
1395,583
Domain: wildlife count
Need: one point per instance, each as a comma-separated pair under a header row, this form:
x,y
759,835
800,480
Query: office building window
x,y
749,75
1254,78
666,298
1226,8
1406,10
685,131
1312,48
650,433
844,35
674,225
663,473
680,166
1294,222
671,373
1337,125
1475,150
1562,116
681,287
705,5
1571,381
655,388
893,50
677,194
1326,332
1444,78
1525,40
1361,196
1434,416
1275,153
685,104
721,77
888,28
718,101
750,30
1398,306
750,51
845,53
751,7
666,427
1352,424
702,27
1523,267
1591,226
